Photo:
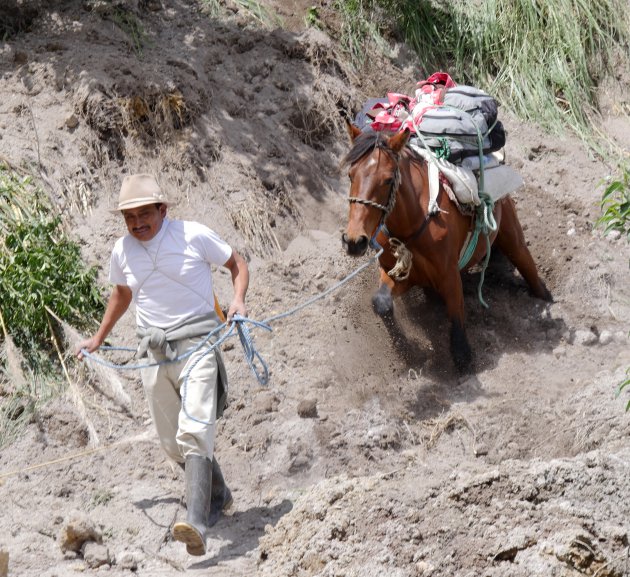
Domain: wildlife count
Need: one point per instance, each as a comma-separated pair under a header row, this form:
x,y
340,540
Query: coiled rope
x,y
238,323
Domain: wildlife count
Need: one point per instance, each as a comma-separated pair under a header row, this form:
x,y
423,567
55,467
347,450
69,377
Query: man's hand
x,y
117,304
90,345
237,307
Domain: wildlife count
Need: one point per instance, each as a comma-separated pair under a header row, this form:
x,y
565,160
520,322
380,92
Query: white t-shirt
x,y
170,275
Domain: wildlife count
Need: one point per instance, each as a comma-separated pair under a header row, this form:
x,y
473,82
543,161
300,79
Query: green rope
x,y
444,150
485,222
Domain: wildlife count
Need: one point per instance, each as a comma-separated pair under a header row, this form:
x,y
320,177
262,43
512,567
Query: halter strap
x,y
385,209
391,198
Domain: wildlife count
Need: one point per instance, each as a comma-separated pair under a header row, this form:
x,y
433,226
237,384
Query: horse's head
x,y
374,179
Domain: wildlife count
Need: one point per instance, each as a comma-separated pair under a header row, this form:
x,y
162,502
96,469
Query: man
x,y
164,267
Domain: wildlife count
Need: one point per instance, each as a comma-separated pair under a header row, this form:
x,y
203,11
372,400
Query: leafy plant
x,y
40,271
623,384
100,498
615,205
41,268
312,18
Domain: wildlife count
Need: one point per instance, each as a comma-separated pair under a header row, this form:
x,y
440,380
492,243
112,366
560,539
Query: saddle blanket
x,y
499,179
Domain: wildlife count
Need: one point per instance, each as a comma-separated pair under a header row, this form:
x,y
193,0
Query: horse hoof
x,y
383,304
465,366
546,296
461,352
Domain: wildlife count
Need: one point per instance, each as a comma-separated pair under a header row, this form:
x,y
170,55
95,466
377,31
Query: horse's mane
x,y
364,143
368,141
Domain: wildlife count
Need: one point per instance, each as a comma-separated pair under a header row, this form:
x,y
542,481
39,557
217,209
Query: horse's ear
x,y
399,140
353,129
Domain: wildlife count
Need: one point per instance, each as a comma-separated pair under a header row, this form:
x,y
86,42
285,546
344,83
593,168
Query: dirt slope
x,y
365,454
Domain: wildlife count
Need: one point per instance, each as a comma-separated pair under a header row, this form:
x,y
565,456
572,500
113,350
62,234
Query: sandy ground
x,y
366,454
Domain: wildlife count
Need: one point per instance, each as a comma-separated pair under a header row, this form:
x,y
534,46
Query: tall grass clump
x,y
256,10
40,271
364,25
132,27
542,59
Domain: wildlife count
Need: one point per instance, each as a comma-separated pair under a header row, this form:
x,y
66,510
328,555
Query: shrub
x,y
41,272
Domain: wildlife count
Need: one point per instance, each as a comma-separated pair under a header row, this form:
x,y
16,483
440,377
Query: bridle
x,y
389,207
386,209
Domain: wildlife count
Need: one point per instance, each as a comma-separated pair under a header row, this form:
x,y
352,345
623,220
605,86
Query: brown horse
x,y
389,198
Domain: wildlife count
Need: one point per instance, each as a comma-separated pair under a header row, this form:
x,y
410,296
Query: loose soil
x,y
365,454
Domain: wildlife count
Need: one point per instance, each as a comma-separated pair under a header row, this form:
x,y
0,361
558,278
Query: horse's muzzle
x,y
355,246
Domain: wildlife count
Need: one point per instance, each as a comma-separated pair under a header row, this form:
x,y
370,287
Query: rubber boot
x,y
221,495
198,473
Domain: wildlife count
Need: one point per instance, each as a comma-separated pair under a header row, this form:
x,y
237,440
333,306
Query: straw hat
x,y
139,190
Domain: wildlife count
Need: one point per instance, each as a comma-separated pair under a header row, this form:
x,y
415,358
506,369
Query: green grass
x,y
132,26
364,27
543,60
624,384
256,10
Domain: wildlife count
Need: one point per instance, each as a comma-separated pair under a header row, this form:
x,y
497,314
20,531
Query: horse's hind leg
x,y
452,292
511,240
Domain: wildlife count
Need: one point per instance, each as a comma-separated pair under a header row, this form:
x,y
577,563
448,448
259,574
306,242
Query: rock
x,y
20,58
614,235
77,531
584,338
480,450
424,568
95,555
72,121
265,402
605,337
300,463
129,560
307,409
382,436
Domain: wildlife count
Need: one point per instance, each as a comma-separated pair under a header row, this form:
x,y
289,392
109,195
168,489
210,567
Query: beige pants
x,y
183,402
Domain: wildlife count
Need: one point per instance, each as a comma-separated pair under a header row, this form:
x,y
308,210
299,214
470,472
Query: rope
x,y
368,202
73,456
240,323
250,350
485,222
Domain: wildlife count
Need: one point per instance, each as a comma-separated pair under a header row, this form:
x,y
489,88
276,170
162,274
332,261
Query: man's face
x,y
144,222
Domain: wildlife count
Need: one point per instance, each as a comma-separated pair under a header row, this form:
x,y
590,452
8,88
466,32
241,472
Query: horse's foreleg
x,y
453,294
511,240
382,300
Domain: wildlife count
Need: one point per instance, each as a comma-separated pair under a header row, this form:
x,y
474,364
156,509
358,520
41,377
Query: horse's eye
x,y
389,181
